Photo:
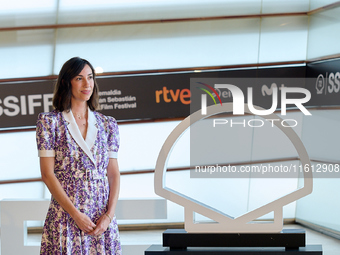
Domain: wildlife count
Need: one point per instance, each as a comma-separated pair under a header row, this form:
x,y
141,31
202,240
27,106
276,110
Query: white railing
x,y
14,215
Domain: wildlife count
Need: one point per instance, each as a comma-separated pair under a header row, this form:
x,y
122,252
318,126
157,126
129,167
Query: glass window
x,y
161,46
283,39
28,53
80,11
323,38
18,156
314,4
279,6
27,13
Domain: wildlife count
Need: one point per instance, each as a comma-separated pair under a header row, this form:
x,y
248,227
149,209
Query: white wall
x,y
321,138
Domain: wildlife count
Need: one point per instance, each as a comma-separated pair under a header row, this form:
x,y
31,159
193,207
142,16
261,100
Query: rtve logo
x,y
169,95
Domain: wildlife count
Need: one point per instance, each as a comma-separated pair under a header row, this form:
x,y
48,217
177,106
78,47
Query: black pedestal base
x,y
309,249
287,242
180,239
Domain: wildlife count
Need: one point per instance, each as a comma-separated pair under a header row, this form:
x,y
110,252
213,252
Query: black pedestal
x,y
309,249
180,239
179,242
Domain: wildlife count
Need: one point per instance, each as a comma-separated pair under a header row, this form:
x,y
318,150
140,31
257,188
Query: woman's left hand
x,y
101,226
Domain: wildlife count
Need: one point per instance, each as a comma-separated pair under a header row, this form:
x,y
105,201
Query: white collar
x,y
91,134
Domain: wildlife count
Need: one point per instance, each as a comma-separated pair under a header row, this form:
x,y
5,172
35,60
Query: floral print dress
x,y
80,166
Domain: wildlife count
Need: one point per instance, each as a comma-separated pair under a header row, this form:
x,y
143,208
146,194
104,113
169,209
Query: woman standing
x,y
78,160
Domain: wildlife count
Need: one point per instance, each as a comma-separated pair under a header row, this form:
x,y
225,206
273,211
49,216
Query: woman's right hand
x,y
84,222
57,191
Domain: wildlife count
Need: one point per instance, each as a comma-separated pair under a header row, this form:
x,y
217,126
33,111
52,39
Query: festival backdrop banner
x,y
130,97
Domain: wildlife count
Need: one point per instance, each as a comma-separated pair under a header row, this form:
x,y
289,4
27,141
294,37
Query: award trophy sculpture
x,y
237,235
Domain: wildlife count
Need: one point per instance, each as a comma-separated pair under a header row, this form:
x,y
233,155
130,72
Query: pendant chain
x,y
80,117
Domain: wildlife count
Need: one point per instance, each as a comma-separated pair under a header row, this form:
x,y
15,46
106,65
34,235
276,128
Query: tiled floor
x,y
331,246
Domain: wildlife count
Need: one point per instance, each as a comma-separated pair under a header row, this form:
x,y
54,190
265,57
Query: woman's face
x,y
82,85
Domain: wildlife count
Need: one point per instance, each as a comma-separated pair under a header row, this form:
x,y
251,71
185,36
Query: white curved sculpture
x,y
223,222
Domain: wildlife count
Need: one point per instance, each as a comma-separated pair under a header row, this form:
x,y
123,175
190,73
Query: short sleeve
x,y
45,135
113,138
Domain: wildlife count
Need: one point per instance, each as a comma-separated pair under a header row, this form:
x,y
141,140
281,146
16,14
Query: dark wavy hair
x,y
63,89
